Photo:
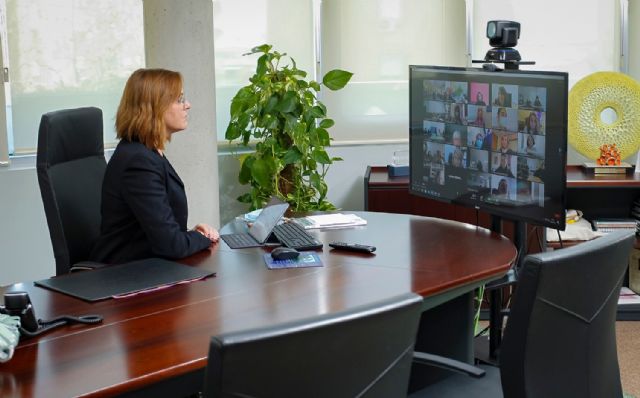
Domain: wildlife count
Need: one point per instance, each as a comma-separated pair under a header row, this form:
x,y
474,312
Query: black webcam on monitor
x,y
503,36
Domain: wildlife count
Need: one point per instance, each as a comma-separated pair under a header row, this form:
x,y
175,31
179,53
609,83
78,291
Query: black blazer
x,y
144,209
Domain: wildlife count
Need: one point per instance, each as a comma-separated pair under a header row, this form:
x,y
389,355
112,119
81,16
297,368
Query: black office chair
x,y
560,337
71,165
365,352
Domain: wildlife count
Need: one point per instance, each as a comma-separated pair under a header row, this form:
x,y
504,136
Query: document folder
x,y
123,279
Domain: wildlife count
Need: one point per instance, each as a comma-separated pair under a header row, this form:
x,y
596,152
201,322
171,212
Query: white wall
x,y
25,247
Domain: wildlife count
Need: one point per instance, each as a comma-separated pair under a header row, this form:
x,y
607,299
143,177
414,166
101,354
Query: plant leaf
x,y
336,79
288,103
320,156
263,66
265,48
232,132
317,112
315,181
244,177
262,171
293,155
244,198
314,85
323,137
326,123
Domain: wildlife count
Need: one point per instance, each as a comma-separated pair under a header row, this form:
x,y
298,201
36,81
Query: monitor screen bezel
x,y
498,210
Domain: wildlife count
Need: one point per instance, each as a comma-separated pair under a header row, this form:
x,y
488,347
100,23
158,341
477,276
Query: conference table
x,y
156,343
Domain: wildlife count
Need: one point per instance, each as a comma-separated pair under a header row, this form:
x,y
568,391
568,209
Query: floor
x,y
628,339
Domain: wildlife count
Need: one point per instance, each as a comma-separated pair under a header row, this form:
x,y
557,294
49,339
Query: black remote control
x,y
353,247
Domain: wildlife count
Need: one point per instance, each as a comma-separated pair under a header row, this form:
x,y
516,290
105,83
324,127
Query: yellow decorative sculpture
x,y
589,98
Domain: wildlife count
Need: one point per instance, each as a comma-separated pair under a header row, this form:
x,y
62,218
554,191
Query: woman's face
x,y
175,117
533,121
530,141
504,142
502,186
457,158
479,96
456,139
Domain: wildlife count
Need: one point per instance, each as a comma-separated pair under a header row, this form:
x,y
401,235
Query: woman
x,y
533,123
531,145
144,206
457,115
501,118
502,98
479,121
504,145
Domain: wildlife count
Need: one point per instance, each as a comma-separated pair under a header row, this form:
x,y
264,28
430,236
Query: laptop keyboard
x,y
294,236
239,241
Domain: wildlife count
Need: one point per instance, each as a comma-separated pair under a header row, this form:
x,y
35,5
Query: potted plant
x,y
280,111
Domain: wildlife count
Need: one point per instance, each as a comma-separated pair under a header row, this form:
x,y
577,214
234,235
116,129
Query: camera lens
x,y
491,29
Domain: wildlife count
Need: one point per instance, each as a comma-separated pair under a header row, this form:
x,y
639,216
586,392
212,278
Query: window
x,y
375,39
554,36
241,25
67,54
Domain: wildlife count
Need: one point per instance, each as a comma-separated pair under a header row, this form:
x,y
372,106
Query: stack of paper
x,y
336,220
628,296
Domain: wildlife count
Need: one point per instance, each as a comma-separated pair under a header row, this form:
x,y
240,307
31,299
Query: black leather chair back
x,y
71,166
365,352
560,339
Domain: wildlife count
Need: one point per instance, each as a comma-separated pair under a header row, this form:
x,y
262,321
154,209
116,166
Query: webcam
x,y
503,36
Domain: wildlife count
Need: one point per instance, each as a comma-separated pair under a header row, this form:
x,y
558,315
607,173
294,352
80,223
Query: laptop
x,y
261,228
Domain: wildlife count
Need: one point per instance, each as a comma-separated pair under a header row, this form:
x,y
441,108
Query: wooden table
x,y
157,343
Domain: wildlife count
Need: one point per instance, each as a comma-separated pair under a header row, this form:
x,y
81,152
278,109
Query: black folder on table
x,y
123,279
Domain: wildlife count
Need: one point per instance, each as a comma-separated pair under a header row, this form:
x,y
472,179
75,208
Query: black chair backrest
x,y
71,165
560,338
365,352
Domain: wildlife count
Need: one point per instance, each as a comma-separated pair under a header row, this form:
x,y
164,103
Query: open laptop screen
x,y
268,218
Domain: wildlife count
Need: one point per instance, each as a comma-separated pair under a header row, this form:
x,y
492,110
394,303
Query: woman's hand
x,y
208,231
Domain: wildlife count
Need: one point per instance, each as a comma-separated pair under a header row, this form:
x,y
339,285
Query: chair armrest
x,y
86,266
447,363
509,279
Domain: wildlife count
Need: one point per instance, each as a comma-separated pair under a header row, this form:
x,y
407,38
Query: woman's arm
x,y
144,190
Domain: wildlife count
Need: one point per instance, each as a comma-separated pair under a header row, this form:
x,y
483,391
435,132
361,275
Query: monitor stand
x,y
487,351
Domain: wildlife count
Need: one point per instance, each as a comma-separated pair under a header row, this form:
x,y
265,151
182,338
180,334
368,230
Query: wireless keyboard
x,y
294,236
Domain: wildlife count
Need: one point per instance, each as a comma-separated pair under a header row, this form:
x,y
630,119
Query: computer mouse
x,y
284,253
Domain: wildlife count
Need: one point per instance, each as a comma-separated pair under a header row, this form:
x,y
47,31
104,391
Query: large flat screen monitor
x,y
496,141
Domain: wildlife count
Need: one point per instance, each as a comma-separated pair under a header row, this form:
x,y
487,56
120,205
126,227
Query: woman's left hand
x,y
208,231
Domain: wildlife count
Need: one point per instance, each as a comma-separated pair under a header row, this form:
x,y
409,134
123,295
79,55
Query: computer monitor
x,y
492,140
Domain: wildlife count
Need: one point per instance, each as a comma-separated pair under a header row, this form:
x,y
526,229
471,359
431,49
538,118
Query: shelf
x,y
578,177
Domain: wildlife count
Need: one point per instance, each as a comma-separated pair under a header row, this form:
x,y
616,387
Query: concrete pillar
x,y
179,36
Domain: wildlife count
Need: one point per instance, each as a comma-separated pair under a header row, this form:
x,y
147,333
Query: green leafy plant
x,y
280,111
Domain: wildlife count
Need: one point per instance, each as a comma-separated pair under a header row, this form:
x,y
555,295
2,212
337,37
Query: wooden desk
x,y
157,343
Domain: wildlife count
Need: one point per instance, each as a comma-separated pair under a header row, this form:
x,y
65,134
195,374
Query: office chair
x,y
560,336
71,166
364,352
